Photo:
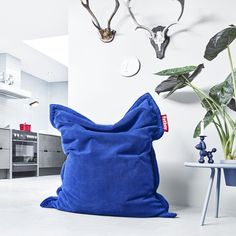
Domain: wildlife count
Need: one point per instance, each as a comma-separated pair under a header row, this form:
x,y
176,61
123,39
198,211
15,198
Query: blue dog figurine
x,y
203,152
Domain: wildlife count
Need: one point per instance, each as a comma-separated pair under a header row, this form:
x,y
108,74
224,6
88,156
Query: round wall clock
x,y
130,66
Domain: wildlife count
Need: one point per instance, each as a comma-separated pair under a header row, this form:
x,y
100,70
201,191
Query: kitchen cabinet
x,y
51,155
4,149
5,139
4,159
51,143
5,154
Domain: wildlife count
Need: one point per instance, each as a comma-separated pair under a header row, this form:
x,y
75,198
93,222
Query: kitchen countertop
x,y
57,133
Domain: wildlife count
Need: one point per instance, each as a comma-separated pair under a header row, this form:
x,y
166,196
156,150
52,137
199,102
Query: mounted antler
x,y
106,35
158,35
139,26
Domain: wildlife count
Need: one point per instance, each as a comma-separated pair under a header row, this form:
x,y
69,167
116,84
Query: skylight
x,y
53,47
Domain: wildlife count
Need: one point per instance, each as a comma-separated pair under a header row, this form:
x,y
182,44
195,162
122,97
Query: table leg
x,y
204,211
218,191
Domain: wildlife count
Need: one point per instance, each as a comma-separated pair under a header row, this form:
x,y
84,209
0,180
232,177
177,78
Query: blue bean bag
x,y
110,169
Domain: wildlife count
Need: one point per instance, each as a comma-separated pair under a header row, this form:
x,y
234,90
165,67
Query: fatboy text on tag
x,y
165,123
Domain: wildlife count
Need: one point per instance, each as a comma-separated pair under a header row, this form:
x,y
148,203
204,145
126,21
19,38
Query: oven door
x,y
24,152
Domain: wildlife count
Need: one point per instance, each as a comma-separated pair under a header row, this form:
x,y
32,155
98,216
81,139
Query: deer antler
x,y
158,35
181,13
139,26
95,20
167,27
182,8
106,34
112,15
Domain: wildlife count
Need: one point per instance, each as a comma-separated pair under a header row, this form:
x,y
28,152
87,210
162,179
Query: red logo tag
x,y
165,123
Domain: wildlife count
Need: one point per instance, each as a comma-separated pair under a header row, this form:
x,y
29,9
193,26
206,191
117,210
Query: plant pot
x,y
230,174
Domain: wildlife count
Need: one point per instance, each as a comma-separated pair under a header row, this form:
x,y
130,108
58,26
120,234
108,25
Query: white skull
x,y
159,38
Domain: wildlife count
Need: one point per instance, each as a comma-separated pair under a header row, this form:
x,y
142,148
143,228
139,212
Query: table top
x,y
207,165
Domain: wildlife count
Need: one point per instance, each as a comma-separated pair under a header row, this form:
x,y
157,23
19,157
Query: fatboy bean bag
x,y
110,169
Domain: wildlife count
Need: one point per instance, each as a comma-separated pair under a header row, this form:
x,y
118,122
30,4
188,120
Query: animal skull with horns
x,y
158,35
107,34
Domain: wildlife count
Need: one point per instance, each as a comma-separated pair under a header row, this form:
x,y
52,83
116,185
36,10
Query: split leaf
x,y
178,78
220,42
176,71
223,93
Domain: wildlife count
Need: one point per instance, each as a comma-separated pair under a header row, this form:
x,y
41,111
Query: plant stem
x,y
226,125
221,127
218,130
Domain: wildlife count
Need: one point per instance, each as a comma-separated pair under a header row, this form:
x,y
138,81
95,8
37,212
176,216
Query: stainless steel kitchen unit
x,y
24,153
51,156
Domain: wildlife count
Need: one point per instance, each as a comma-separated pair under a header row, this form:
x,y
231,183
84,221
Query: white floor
x,y
20,214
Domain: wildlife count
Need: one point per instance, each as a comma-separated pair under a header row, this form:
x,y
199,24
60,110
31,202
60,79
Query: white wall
x,y
58,94
97,90
16,111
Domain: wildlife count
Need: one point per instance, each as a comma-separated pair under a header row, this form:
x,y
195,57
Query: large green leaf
x,y
176,71
219,42
171,84
196,72
208,118
176,81
232,104
223,93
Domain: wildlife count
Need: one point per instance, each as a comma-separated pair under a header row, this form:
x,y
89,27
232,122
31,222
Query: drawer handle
x,y
45,150
1,148
58,151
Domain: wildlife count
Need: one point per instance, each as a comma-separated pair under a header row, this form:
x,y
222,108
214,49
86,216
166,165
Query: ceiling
x,y
54,47
25,20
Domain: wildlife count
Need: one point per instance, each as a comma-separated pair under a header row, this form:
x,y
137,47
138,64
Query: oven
x,y
24,153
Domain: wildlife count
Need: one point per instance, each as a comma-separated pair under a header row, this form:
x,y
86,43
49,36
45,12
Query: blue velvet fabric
x,y
110,169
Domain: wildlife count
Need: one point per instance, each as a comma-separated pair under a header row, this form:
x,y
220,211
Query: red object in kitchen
x,y
25,127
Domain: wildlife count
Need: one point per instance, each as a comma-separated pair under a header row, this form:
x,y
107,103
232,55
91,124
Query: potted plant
x,y
219,102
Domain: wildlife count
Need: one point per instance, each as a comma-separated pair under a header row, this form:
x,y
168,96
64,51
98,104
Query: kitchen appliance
x,y
24,153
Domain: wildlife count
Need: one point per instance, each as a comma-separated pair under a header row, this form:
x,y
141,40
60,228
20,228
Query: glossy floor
x,y
20,214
